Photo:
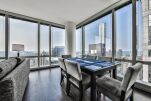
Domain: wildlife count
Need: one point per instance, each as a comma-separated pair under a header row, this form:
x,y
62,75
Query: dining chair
x,y
101,58
63,69
116,90
66,56
108,59
77,78
91,56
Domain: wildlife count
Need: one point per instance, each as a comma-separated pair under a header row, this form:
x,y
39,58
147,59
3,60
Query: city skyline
x,y
97,32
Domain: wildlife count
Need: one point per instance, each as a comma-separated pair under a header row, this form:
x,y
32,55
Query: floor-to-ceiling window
x,y
79,42
124,32
124,36
31,38
98,37
57,44
2,37
24,33
44,45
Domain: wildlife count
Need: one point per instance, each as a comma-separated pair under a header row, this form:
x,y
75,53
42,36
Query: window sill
x,y
143,86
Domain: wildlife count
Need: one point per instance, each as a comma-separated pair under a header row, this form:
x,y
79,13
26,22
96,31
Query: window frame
x,y
9,15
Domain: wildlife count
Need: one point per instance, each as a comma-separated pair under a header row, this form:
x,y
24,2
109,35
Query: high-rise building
x,y
146,11
58,51
102,32
97,49
119,53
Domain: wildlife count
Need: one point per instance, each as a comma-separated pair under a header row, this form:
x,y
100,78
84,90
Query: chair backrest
x,y
84,56
91,57
73,69
66,56
130,77
104,58
62,64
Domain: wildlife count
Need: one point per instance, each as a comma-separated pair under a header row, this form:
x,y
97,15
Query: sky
x,y
23,32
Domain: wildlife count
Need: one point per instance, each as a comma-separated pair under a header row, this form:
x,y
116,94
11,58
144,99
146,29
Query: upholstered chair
x,y
104,58
116,90
63,69
77,78
91,56
66,56
109,59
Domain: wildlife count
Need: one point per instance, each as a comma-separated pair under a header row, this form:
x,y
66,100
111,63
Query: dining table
x,y
95,68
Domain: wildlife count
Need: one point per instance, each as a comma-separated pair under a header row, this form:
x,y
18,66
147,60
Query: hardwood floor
x,y
44,85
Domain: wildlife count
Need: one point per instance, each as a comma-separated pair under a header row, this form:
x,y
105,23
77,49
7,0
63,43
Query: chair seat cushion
x,y
85,80
109,85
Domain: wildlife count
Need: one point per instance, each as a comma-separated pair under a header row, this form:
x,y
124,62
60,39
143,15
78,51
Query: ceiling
x,y
58,11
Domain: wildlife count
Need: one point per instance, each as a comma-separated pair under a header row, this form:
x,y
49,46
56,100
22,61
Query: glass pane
x,y
124,32
79,42
121,69
140,34
145,74
1,60
98,37
2,37
33,62
24,33
44,45
57,44
44,61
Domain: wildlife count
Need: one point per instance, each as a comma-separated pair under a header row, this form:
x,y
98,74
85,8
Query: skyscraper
x,y
146,12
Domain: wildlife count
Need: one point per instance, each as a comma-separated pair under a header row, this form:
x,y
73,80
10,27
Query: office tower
x,y
58,51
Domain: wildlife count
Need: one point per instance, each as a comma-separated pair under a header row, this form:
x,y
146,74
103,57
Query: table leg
x,y
93,87
114,73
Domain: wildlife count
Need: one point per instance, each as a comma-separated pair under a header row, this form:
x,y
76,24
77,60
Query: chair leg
x,y
98,95
62,77
110,72
131,97
81,95
68,87
81,92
